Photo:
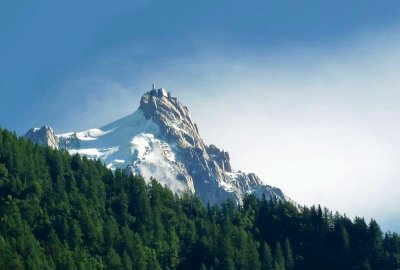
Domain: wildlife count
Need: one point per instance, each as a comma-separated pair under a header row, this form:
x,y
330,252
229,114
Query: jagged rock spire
x,y
44,136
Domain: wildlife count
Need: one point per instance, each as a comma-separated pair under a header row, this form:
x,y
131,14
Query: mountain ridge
x,y
160,140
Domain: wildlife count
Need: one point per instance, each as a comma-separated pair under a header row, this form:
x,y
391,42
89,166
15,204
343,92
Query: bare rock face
x,y
160,140
210,168
44,136
221,157
172,117
69,142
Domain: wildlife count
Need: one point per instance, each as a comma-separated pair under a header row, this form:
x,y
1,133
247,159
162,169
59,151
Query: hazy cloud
x,y
321,123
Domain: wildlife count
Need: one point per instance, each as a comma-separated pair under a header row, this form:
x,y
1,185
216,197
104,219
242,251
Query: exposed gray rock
x,y
220,156
172,117
161,140
44,136
210,168
69,142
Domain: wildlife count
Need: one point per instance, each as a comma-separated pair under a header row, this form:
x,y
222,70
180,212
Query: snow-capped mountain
x,y
44,135
160,140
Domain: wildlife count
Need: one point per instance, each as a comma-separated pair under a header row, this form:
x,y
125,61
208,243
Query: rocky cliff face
x,y
160,140
172,118
44,136
221,157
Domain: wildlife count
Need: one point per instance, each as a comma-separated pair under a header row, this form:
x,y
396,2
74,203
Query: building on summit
x,y
161,92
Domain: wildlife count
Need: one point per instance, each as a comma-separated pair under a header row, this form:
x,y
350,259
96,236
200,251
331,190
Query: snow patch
x,y
136,142
155,158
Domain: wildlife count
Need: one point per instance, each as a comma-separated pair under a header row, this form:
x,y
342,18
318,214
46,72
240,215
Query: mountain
x,y
160,140
44,135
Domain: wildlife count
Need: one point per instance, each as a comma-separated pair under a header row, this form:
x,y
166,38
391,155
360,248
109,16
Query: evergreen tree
x,y
288,255
375,242
113,259
69,212
279,260
267,260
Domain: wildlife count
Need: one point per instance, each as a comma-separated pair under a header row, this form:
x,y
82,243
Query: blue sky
x,y
44,43
317,79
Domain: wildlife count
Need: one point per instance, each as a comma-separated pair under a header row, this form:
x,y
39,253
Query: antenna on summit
x,y
154,86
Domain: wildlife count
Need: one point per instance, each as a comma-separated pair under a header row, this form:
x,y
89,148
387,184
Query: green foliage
x,y
66,212
288,255
279,260
266,258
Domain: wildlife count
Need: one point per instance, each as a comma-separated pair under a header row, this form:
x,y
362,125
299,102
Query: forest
x,y
60,211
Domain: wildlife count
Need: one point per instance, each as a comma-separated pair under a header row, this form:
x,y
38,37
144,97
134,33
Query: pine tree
x,y
288,255
67,212
267,261
126,261
375,242
252,256
113,259
279,261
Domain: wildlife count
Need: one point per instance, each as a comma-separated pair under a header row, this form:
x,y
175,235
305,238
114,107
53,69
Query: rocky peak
x,y
220,157
160,140
172,117
44,136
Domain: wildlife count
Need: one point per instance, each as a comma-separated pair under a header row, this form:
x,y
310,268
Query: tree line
x,y
59,211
